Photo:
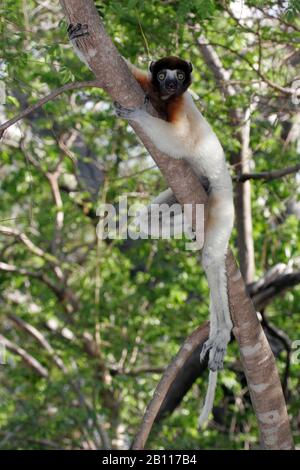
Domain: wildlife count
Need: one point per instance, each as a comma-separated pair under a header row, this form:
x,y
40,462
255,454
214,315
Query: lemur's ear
x,y
190,66
151,66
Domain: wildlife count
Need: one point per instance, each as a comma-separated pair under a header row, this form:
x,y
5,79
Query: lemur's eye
x,y
180,75
161,76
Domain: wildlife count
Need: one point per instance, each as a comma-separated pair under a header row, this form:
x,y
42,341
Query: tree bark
x,y
243,204
258,360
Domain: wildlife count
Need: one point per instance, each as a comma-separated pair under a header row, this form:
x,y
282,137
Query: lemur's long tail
x,y
209,399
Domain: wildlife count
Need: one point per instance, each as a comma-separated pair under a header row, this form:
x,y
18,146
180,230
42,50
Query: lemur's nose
x,y
171,85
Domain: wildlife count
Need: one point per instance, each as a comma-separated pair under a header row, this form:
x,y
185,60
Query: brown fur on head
x,y
171,86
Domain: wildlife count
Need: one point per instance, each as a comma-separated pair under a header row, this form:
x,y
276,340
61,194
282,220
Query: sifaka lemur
x,y
184,133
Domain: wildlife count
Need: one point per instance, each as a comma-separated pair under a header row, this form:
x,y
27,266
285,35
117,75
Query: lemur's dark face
x,y
171,76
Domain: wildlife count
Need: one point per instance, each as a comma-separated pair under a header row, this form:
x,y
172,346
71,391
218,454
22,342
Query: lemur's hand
x,y
77,30
132,114
216,346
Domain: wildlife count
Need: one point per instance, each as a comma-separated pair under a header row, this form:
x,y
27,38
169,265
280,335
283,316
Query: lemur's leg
x,y
166,136
220,316
165,197
143,220
213,258
170,218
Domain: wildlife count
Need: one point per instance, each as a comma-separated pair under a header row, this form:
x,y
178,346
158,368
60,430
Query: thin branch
x,y
39,337
278,18
85,206
63,293
35,274
59,217
29,244
272,289
66,293
143,370
26,357
268,175
45,443
137,371
42,101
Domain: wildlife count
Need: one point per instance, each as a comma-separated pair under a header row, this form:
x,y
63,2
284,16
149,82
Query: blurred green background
x,y
87,326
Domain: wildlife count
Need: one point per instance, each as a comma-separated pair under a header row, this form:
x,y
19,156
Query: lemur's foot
x,y
77,30
217,346
126,113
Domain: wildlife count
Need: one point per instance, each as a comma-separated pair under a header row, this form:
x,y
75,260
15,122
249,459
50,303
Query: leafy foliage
x,y
112,309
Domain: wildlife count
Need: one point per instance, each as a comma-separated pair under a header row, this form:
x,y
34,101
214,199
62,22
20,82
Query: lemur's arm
x,y
142,77
167,136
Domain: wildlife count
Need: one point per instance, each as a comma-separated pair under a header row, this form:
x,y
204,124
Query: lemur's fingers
x,y
73,28
218,350
77,30
217,346
205,348
216,362
126,113
216,354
